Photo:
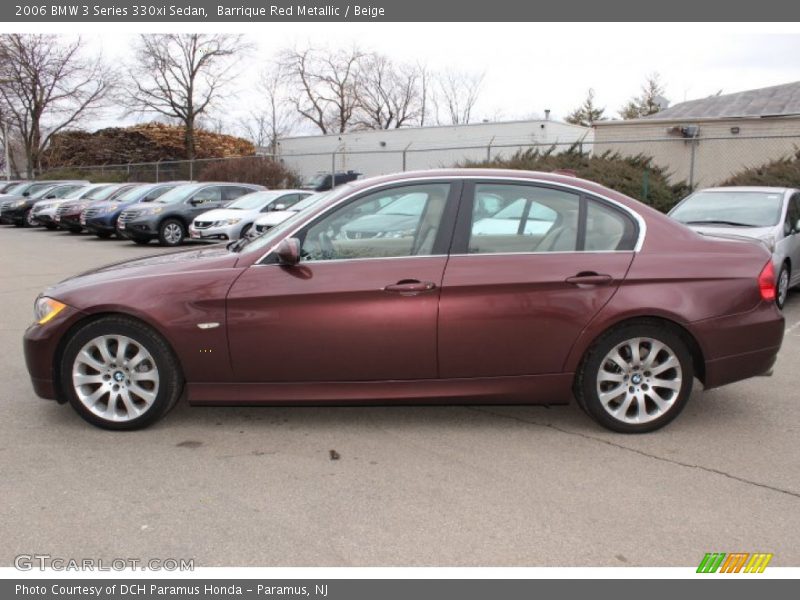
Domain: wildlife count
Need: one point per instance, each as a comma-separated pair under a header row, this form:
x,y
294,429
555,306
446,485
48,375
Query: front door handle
x,y
589,278
410,287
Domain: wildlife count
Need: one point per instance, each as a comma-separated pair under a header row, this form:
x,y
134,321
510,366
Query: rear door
x,y
520,285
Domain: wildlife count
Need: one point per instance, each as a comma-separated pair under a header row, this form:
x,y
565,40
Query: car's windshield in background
x,y
98,193
20,187
134,194
178,194
255,200
410,205
306,202
744,209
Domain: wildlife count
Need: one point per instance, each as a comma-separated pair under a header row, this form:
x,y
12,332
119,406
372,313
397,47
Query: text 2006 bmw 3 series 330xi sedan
x,y
450,286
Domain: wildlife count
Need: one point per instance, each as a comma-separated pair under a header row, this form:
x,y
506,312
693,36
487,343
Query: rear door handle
x,y
410,287
589,278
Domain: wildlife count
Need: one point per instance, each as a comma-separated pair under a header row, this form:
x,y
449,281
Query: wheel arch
x,y
91,318
692,345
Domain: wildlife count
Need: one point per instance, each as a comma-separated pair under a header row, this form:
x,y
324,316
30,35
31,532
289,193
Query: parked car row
x,y
168,212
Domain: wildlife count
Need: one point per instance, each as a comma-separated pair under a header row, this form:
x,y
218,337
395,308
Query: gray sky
x,y
533,66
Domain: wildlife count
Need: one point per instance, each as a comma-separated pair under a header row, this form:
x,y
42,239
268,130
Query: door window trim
x,y
465,179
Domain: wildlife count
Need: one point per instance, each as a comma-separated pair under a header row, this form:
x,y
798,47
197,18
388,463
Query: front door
x,y
361,305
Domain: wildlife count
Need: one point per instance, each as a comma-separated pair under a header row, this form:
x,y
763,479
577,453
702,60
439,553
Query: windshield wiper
x,y
718,222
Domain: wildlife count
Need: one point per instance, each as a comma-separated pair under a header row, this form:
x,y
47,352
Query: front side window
x,y
400,221
792,215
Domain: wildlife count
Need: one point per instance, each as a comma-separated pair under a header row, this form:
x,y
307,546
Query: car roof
x,y
749,188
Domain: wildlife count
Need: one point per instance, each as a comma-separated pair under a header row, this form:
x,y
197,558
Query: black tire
x,y
141,241
75,230
170,386
51,226
26,219
103,235
586,380
171,233
245,230
780,298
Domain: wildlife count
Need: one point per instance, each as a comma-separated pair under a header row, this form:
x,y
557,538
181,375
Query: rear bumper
x,y
738,347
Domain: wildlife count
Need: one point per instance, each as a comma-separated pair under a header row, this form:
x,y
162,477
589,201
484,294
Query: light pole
x,y
7,151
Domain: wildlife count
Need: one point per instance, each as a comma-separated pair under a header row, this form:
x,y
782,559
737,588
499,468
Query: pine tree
x,y
647,103
587,113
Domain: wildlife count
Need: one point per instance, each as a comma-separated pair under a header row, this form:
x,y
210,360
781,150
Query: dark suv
x,y
322,181
167,218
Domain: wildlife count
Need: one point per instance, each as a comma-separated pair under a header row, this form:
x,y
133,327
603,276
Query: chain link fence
x,y
687,162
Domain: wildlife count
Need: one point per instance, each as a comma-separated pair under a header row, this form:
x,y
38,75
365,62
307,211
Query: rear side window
x,y
523,218
520,218
231,192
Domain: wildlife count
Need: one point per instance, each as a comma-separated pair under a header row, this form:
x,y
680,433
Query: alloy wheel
x,y
115,377
639,380
783,286
173,233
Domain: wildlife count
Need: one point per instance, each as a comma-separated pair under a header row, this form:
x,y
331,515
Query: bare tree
x,y
324,85
456,95
276,117
389,95
181,76
46,86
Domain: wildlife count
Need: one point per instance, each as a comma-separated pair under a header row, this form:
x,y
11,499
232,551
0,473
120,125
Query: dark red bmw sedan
x,y
451,286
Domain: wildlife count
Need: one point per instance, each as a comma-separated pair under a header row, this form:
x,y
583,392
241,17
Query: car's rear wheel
x,y
782,285
636,378
171,233
120,374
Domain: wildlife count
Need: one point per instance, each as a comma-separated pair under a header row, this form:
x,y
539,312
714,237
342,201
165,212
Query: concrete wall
x,y
718,153
381,152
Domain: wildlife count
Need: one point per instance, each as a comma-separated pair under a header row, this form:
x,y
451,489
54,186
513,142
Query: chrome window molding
x,y
641,223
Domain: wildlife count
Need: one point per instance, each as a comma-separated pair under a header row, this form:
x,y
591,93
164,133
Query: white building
x,y
378,152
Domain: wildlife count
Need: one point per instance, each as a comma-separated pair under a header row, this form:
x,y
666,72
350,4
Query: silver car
x,y
768,214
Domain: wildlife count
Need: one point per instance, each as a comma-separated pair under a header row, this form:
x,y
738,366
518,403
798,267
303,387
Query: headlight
x,y
155,210
19,203
111,208
230,221
46,309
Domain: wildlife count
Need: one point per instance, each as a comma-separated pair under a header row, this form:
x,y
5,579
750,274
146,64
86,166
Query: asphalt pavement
x,y
404,486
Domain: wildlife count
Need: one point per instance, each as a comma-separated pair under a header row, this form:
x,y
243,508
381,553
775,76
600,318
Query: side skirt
x,y
533,389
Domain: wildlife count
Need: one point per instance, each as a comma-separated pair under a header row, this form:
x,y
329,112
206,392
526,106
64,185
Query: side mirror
x,y
279,207
288,252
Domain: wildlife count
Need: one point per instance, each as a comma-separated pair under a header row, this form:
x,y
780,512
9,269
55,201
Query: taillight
x,y
766,282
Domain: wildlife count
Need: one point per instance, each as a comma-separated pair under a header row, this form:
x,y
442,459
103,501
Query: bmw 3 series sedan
x,y
610,302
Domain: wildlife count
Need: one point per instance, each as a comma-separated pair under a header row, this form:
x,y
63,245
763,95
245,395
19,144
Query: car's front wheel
x,y
171,233
782,285
120,374
636,378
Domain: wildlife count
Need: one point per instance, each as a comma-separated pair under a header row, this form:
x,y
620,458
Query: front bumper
x,y
40,344
104,224
14,215
222,232
138,228
69,220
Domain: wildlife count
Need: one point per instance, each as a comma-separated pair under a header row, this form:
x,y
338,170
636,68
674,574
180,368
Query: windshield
x,y
97,193
742,209
254,200
265,240
316,180
134,194
306,202
178,194
18,188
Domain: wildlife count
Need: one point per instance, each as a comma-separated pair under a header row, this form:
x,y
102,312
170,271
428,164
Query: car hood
x,y
162,265
223,213
45,204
